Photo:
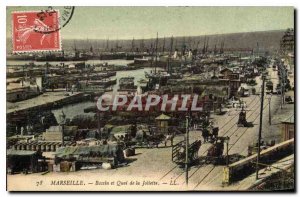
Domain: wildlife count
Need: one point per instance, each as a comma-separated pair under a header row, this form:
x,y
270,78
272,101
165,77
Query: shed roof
x,y
121,129
162,117
226,69
290,120
104,150
12,152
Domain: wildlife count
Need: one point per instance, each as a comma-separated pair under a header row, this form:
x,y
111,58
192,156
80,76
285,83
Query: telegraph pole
x,y
23,75
260,123
284,83
281,100
227,150
186,152
63,118
63,135
269,99
156,45
170,55
281,83
98,123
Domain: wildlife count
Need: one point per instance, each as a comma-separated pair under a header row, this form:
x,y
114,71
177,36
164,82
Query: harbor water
x,y
78,108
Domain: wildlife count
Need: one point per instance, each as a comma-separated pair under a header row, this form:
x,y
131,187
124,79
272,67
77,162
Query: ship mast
x,y
156,45
183,47
151,52
163,49
121,45
170,54
142,46
171,46
107,46
117,44
87,44
189,42
197,46
132,45
215,50
257,49
76,51
204,46
222,47
206,50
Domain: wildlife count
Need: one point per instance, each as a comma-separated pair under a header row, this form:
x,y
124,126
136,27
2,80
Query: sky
x,y
145,22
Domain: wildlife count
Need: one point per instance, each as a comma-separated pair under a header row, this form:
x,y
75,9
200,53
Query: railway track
x,y
230,147
222,127
225,134
225,124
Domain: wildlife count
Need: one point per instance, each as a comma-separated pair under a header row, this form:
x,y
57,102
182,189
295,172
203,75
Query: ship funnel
x,y
190,54
175,54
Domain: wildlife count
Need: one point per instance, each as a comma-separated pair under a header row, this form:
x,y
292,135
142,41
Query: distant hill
x,y
267,41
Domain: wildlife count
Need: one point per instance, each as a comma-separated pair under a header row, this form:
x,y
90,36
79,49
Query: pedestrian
x,y
215,132
205,135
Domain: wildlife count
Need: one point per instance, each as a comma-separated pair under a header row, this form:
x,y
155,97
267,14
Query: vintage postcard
x,y
150,98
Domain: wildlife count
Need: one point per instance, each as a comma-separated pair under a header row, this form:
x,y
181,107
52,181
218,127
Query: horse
x,y
154,140
169,137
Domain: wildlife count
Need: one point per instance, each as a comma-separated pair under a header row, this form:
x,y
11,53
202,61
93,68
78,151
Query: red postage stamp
x,y
35,31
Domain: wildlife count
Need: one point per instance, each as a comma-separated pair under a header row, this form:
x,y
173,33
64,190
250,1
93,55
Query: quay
x,y
49,100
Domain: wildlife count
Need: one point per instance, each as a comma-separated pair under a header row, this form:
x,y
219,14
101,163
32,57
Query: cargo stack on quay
x,y
54,119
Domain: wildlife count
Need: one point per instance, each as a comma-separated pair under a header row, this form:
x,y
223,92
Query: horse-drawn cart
x,y
215,152
242,121
179,152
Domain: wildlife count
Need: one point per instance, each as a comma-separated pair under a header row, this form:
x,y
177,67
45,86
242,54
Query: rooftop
x,y
20,152
15,86
290,120
46,98
162,117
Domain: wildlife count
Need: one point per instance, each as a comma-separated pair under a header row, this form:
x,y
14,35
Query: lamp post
x,y
284,84
62,119
186,151
98,124
269,100
260,123
227,150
